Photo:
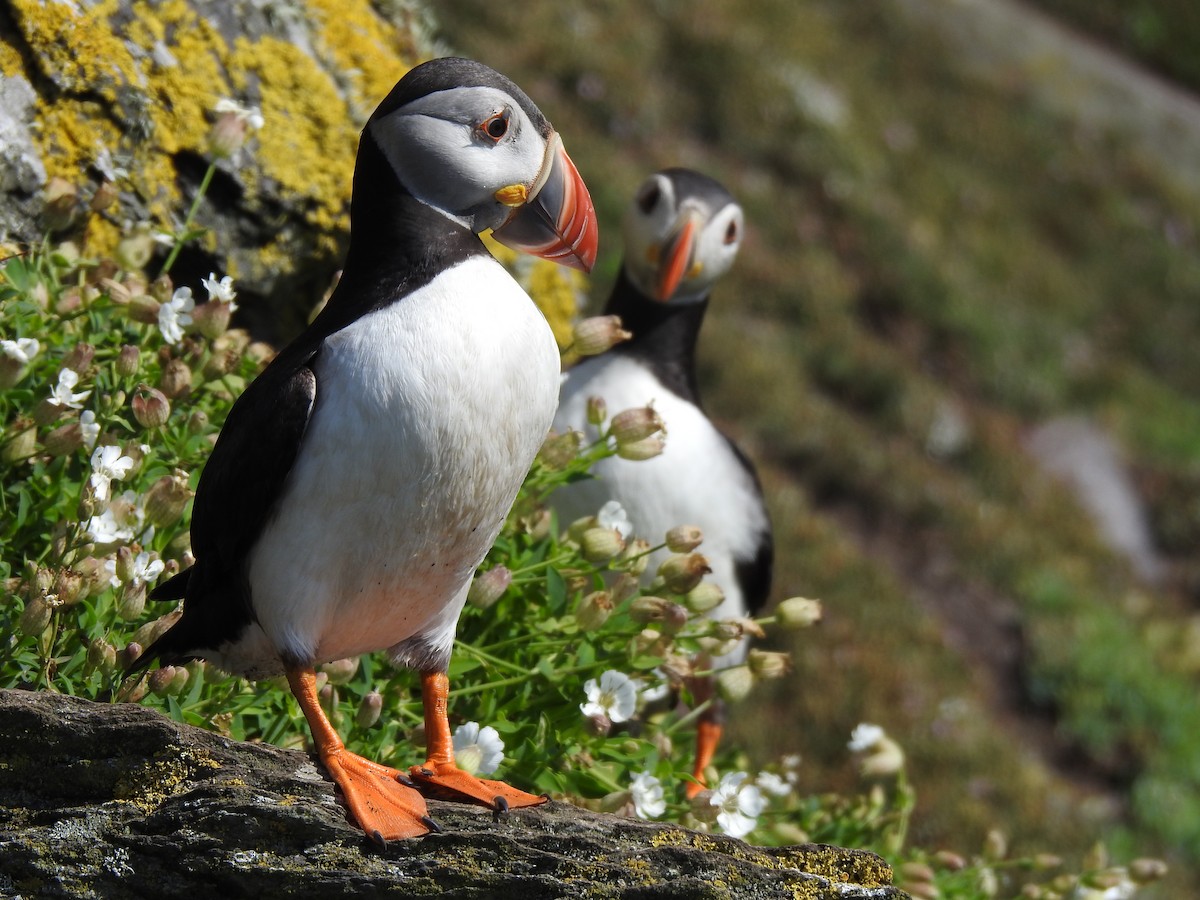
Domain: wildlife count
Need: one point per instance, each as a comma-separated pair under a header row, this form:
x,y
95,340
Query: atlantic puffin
x,y
681,234
361,478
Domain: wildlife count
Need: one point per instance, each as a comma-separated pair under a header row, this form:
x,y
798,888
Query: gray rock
x,y
118,801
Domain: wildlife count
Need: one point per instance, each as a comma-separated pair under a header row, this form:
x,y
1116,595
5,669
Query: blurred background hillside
x,y
962,344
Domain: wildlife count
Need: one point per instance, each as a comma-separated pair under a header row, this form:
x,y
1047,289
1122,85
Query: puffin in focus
x,y
681,233
362,477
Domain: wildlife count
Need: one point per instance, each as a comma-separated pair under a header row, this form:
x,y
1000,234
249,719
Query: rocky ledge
x,y
117,801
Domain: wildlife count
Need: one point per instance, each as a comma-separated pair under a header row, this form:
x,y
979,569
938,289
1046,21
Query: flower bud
x,y
161,680
20,441
637,451
728,630
648,609
104,196
369,710
886,758
179,680
101,656
35,618
1144,870
154,629
341,671
598,333
734,685
559,450
599,724
766,665
61,207
176,379
212,318
11,371
64,440
916,871
489,586
597,410
682,572
594,610
79,358
228,134
220,364
704,597
923,890
995,846
133,251
69,586
150,407
684,538
128,361
703,809
635,557
135,692
798,612
132,601
616,801
167,499
600,544
624,587
129,654
197,422
947,859
632,425
143,308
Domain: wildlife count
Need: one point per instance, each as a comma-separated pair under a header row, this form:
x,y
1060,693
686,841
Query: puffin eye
x,y
496,127
647,197
731,233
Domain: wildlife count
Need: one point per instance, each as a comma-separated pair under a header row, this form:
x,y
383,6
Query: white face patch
x,y
442,154
656,216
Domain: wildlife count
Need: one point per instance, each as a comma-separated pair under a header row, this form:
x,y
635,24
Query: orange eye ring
x,y
494,128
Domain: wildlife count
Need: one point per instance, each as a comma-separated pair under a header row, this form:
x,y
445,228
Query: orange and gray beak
x,y
554,219
675,259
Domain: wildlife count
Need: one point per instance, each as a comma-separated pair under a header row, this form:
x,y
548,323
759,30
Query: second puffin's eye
x,y
731,233
647,197
495,127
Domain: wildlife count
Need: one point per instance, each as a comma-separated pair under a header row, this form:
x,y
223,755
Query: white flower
x,y
864,737
175,314
647,794
62,394
612,515
110,566
107,464
615,696
221,291
145,569
164,238
655,692
105,529
477,751
773,784
22,349
251,115
739,804
89,427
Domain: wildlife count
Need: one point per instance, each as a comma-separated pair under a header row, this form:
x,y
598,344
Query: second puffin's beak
x,y
556,221
675,258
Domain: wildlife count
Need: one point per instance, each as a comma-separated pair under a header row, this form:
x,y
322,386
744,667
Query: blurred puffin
x,y
681,234
361,478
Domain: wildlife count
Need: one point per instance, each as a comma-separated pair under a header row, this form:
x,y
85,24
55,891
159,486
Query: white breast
x,y
428,415
698,480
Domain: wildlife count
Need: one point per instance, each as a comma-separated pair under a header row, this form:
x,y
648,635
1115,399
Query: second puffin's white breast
x,y
698,479
428,415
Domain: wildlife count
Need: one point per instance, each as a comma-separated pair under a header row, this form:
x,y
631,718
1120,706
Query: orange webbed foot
x,y
446,781
381,803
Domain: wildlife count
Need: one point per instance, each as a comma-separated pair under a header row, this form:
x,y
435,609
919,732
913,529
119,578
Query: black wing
x,y
754,573
238,491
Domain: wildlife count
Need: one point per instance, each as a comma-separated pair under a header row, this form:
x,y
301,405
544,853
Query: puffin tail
x,y
174,588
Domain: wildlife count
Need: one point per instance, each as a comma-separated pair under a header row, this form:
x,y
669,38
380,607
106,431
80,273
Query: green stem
x,y
187,222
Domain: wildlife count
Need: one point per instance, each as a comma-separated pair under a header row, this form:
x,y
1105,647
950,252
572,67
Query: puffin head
x,y
682,232
466,141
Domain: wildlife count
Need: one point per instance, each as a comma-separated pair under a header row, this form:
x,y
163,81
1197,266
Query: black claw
x,y
433,826
405,780
501,804
428,773
378,839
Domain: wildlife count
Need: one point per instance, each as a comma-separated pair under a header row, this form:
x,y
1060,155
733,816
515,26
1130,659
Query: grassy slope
x,y
924,248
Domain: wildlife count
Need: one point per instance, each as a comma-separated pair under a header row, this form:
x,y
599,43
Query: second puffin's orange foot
x,y
448,782
382,806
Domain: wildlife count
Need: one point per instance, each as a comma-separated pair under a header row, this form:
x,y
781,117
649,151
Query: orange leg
x,y
708,729
383,807
440,777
